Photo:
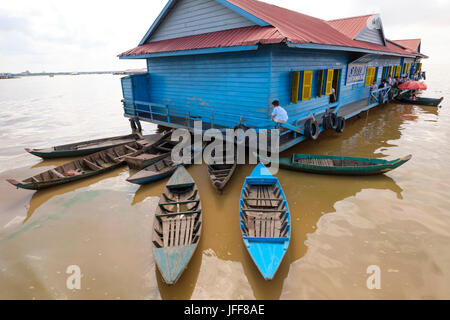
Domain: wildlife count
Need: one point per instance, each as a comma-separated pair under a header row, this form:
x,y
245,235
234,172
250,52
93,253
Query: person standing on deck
x,y
390,81
373,87
279,115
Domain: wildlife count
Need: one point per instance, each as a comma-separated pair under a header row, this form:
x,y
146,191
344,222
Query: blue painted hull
x,y
267,253
152,178
173,261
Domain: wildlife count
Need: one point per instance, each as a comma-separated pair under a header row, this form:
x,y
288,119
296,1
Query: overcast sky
x,y
67,35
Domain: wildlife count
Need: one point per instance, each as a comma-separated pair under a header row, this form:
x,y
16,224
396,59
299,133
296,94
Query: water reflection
x,y
148,190
53,162
310,196
42,196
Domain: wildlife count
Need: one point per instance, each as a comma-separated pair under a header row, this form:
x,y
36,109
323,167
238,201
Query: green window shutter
x,y
320,85
295,86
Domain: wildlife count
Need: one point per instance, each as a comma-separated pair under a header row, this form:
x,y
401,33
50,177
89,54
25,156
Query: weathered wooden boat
x,y
221,173
265,220
86,147
432,102
89,166
159,150
336,165
177,226
157,171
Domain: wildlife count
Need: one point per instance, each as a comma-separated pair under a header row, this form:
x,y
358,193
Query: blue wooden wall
x,y
193,17
285,60
227,85
231,85
354,92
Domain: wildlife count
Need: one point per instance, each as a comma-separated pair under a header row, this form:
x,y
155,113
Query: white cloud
x,y
87,35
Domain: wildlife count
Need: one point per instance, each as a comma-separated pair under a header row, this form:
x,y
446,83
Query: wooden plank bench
x,y
317,162
178,231
264,225
91,165
130,148
56,173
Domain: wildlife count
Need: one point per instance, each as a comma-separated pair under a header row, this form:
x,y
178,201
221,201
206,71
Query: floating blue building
x,y
223,62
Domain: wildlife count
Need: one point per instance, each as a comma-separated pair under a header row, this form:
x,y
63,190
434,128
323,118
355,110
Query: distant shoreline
x,y
51,74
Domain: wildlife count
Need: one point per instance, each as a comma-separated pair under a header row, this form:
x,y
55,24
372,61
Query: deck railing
x,y
379,95
160,112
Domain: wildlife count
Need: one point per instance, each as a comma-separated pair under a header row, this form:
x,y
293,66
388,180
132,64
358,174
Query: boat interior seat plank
x,y
264,225
56,173
130,148
91,165
317,162
110,157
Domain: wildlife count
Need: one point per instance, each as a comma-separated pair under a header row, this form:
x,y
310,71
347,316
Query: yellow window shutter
x,y
370,75
295,86
367,76
329,81
307,85
419,67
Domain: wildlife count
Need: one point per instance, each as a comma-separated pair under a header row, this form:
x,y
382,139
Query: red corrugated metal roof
x,y
286,25
353,26
412,44
236,37
297,27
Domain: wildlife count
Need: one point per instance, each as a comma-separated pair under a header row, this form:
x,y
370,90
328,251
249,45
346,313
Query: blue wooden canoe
x,y
265,220
177,226
157,171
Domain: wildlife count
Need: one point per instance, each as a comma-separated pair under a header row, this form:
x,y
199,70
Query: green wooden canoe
x,y
336,165
85,148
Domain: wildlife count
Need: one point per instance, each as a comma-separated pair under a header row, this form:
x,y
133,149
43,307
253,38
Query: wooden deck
x,y
348,111
286,141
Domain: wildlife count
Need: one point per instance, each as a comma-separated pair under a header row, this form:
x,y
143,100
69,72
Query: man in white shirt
x,y
279,115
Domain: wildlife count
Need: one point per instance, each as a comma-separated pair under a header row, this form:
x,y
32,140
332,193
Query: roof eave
x,y
190,52
344,48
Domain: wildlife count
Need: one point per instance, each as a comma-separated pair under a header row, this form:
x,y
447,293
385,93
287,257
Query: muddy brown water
x,y
340,225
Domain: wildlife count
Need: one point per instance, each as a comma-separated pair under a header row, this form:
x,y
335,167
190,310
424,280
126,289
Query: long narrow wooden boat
x,y
220,174
265,220
336,165
157,171
158,151
84,148
89,166
177,226
432,102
